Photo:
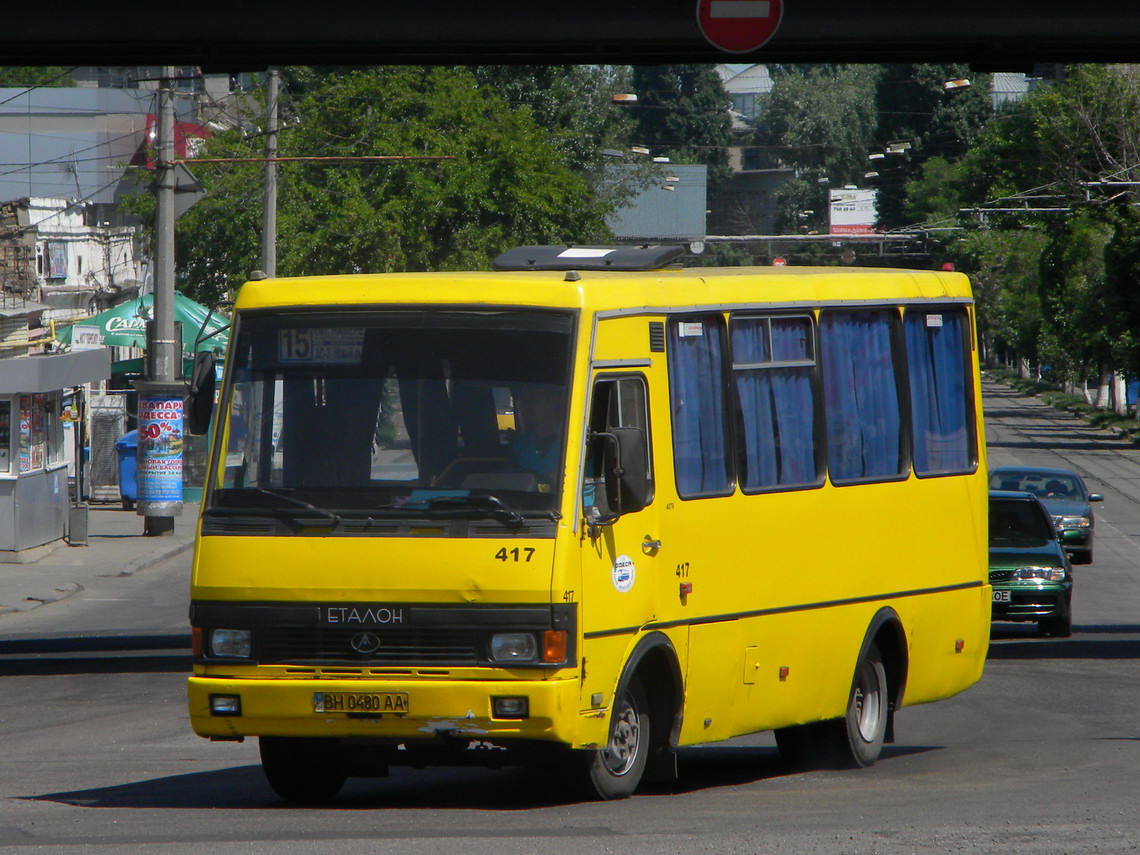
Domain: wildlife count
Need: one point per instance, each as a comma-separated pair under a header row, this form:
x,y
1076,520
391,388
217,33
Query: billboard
x,y
852,211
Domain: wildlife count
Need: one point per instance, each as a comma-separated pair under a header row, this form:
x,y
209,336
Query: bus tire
x,y
856,739
868,706
307,771
614,772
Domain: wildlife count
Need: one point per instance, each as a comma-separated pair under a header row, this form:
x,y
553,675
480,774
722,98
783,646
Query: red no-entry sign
x,y
739,26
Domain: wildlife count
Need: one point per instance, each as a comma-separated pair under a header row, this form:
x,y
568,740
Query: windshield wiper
x,y
301,503
491,506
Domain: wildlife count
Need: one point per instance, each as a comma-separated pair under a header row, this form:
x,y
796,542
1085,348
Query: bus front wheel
x,y
615,771
303,770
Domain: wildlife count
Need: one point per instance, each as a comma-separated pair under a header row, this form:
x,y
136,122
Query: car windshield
x,y
389,412
1049,485
1015,522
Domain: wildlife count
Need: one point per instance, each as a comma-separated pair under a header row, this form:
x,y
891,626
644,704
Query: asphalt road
x,y
1043,756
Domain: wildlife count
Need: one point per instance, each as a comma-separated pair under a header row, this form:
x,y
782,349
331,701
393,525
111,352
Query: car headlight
x,y
232,643
1074,522
514,647
1042,574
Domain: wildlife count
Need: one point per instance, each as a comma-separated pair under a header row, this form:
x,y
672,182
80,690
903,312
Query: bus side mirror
x,y
626,470
200,402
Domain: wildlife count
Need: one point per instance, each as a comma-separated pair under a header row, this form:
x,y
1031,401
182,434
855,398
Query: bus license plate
x,y
1001,596
380,703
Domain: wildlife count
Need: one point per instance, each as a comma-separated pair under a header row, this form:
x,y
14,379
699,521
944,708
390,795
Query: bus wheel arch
x,y
886,633
646,706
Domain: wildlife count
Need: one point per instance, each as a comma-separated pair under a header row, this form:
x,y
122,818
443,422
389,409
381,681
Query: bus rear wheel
x,y
615,771
303,770
867,710
856,739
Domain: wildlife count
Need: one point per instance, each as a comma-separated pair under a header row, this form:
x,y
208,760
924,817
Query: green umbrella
x,y
125,325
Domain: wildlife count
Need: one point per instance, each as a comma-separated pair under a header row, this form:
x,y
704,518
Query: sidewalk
x,y
116,547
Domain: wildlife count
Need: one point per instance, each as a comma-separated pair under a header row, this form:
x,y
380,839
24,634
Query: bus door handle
x,y
649,546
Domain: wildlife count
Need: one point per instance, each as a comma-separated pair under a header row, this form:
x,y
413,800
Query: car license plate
x,y
1001,596
379,703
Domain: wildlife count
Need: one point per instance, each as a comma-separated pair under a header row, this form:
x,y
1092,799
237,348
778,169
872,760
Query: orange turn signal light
x,y
554,645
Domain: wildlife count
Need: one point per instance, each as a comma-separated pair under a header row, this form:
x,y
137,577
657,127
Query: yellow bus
x,y
726,501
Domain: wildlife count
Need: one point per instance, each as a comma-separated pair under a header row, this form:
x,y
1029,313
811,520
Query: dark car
x,y
1065,497
1030,572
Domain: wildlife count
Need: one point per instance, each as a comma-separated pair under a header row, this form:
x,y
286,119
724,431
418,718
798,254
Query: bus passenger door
x,y
620,540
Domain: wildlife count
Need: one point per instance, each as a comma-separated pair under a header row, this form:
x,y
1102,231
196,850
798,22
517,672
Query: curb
x,y
156,557
62,592
70,589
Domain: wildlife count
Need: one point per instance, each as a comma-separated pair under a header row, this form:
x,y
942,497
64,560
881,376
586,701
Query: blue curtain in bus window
x,y
861,398
776,403
935,344
696,370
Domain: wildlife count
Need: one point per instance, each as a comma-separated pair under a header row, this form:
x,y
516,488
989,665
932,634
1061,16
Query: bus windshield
x,y
367,413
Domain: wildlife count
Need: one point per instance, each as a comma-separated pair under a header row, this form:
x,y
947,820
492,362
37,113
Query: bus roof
x,y
653,290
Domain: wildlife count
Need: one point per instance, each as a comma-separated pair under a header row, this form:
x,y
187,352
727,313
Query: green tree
x,y
919,118
1079,335
821,121
505,184
682,113
1055,154
575,105
20,76
573,102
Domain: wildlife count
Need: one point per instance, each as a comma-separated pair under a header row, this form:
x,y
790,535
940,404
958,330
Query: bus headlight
x,y
1041,574
514,647
231,643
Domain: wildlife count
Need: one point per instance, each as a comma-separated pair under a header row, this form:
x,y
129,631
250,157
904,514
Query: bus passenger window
x,y
865,438
774,377
941,393
697,397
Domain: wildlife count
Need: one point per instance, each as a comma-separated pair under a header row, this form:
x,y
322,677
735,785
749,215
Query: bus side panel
x,y
937,669
804,573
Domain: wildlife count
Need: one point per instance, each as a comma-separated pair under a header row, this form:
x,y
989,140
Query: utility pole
x,y
162,346
161,396
269,201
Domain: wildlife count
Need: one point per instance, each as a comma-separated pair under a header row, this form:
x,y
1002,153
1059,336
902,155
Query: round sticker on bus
x,y
624,573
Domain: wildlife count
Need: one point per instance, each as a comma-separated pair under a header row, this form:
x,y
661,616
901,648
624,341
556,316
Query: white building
x,y
55,251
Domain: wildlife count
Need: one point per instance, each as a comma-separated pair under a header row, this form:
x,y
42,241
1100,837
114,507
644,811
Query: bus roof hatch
x,y
625,258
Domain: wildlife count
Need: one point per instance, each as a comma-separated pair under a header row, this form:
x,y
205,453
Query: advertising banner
x,y
159,471
853,211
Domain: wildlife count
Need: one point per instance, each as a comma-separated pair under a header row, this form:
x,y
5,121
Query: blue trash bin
x,y
127,448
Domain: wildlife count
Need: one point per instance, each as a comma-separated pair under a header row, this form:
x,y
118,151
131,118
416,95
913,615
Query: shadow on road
x,y
1086,445
511,788
1023,642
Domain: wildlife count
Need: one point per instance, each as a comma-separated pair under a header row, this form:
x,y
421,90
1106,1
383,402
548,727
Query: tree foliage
x,y
1053,173
503,183
13,76
820,120
682,113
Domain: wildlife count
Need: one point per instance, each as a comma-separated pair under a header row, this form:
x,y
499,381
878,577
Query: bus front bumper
x,y
411,711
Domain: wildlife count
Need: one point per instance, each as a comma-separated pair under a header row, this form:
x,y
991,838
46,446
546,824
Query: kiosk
x,y
34,495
